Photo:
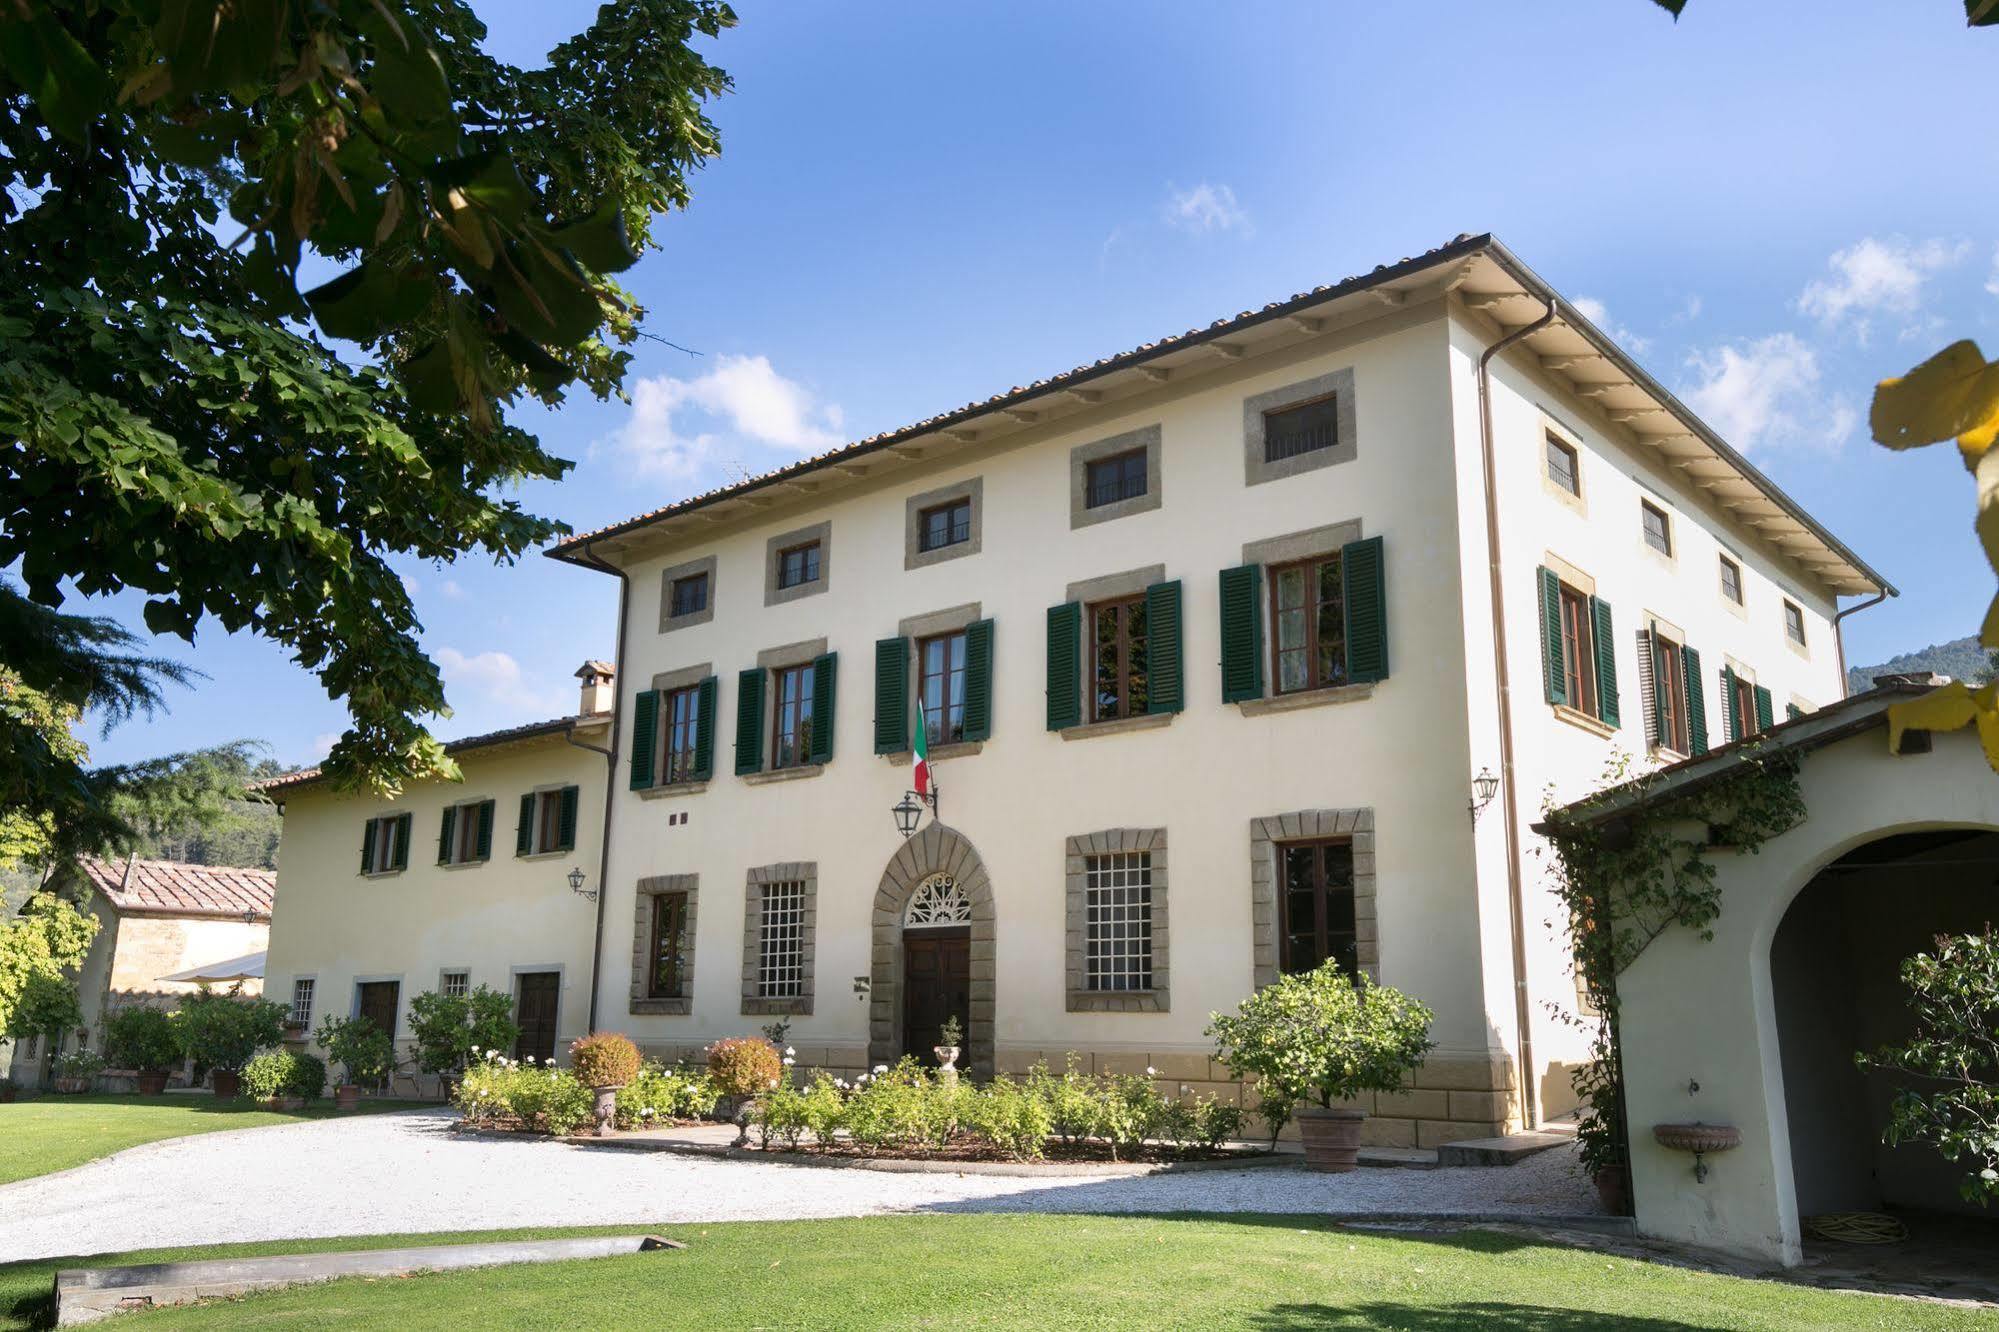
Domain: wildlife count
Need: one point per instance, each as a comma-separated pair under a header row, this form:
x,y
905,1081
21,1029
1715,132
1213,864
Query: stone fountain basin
x,y
1697,1137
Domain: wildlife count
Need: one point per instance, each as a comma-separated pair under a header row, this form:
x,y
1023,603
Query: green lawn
x,y
1268,1273
53,1133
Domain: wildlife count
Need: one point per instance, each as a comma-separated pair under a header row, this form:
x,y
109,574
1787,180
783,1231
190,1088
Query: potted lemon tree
x,y
363,1051
143,1039
1316,1042
221,1031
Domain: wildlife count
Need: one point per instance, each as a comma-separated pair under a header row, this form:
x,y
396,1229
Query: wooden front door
x,y
377,1002
936,984
535,1013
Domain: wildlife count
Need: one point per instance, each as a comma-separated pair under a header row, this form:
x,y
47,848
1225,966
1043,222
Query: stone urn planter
x,y
228,1083
947,1062
150,1082
72,1086
1331,1137
605,1108
347,1096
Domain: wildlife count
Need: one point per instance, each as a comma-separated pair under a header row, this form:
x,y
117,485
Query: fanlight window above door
x,y
938,900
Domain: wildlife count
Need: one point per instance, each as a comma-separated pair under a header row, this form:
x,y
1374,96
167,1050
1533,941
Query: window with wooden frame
x,y
791,716
1563,468
689,595
385,844
1794,623
1306,427
1308,641
947,524
465,835
1731,580
1658,528
680,751
1671,723
454,984
1578,650
301,1010
1118,477
1117,914
548,821
940,664
667,953
1118,659
1749,705
798,565
1316,907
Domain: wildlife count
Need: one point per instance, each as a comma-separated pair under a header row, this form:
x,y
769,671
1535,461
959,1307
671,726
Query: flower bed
x,y
503,1093
906,1111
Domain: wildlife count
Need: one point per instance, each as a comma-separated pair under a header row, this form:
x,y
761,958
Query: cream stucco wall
x,y
1705,1013
494,919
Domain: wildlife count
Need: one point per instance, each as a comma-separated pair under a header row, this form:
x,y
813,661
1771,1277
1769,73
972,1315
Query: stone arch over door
x,y
936,849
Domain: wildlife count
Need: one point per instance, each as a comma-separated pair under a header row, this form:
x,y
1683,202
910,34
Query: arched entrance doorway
x,y
1836,987
933,950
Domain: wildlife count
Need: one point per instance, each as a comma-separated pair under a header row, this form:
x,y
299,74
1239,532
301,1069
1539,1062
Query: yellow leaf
x,y
1955,392
1951,707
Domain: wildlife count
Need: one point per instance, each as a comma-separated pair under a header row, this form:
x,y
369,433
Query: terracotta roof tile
x,y
182,889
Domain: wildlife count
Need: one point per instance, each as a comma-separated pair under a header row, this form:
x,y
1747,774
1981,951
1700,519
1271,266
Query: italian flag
x,y
920,747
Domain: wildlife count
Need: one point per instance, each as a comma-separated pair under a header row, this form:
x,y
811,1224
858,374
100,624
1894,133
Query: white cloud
x,y
496,678
452,589
1594,310
409,584
1205,208
1878,277
743,396
1765,394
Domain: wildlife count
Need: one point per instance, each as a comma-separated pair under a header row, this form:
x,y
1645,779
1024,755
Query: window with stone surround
x,y
1312,892
301,1014
662,979
779,924
1116,921
1316,906
454,984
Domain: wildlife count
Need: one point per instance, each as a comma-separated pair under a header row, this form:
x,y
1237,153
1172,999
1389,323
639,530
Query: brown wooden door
x,y
535,1012
936,983
377,1002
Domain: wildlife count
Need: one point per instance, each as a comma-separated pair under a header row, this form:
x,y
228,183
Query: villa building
x,y
1255,647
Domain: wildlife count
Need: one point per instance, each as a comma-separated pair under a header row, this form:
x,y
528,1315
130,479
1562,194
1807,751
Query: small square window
x,y
1562,467
798,565
301,1014
1658,528
1794,623
1731,580
455,984
1305,428
1109,480
690,595
945,525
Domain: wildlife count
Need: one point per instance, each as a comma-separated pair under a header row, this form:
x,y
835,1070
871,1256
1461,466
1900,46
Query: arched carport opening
x,y
1835,964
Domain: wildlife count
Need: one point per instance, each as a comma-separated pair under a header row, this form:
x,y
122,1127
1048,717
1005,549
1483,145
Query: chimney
x,y
597,688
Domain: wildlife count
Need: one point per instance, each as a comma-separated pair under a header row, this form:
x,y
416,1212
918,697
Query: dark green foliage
x,y
284,1073
363,1050
222,1030
449,1028
1960,659
143,1038
175,416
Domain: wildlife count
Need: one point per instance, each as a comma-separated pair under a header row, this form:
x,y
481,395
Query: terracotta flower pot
x,y
228,1083
72,1086
1331,1138
346,1096
151,1083
606,1108
285,1103
1613,1190
6,1093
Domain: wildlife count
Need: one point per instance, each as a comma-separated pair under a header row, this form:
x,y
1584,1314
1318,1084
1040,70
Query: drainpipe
x,y
589,557
1838,638
1523,1013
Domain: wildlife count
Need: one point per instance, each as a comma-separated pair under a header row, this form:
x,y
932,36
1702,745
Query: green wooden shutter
x,y
1792,712
1764,718
524,830
704,729
1165,684
566,827
645,737
1730,729
891,695
402,842
1690,662
979,680
750,721
825,690
1242,633
368,846
1554,674
1606,661
1364,574
444,834
1648,690
1065,665
485,830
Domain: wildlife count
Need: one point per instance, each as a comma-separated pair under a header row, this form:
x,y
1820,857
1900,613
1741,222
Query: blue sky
x,y
917,205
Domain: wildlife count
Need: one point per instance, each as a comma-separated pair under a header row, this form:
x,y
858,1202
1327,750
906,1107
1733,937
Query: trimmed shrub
x,y
284,1073
142,1038
504,1091
1012,1118
604,1059
744,1066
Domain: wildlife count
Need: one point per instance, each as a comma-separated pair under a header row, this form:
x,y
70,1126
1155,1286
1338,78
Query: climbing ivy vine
x,y
1626,880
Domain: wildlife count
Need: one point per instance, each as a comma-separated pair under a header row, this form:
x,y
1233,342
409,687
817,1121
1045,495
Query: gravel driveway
x,y
404,1172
